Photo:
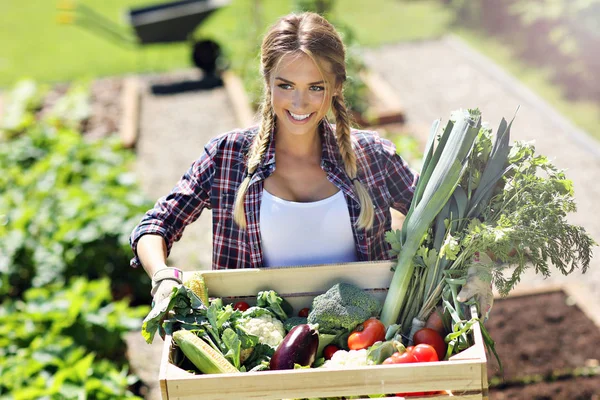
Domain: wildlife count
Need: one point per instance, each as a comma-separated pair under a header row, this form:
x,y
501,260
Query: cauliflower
x,y
347,359
266,327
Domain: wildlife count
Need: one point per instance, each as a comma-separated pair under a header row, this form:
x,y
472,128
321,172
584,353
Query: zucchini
x,y
204,357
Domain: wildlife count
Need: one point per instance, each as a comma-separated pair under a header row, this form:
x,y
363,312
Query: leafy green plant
x,y
66,206
22,101
408,148
66,343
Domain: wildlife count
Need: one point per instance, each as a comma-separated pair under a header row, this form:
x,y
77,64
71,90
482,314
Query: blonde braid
x,y
258,149
342,134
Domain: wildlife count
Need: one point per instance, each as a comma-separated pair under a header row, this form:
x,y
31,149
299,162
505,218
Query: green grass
x,y
378,22
33,44
584,114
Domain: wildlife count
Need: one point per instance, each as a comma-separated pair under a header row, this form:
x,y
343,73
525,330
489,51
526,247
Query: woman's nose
x,y
300,99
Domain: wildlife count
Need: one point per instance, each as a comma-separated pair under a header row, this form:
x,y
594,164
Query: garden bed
x,y
548,347
105,106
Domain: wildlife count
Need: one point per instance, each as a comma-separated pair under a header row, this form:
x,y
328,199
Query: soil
x,y
105,103
547,346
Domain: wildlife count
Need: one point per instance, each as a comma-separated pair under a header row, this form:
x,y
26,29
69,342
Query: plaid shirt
x,y
212,182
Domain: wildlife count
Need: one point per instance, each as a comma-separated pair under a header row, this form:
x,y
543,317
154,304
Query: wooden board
x,y
385,106
130,103
239,99
464,375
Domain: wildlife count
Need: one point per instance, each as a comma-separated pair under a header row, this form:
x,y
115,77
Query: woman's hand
x,y
162,290
163,282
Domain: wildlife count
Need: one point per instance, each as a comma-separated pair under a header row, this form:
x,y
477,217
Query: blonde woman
x,y
295,190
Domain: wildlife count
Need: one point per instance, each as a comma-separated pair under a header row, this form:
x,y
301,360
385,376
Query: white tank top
x,y
295,233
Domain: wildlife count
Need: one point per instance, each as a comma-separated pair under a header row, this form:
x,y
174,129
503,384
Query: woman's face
x,y
300,96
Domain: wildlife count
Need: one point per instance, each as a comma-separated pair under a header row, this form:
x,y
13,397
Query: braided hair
x,y
313,35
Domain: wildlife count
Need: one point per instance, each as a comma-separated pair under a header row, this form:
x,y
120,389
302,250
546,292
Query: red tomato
x,y
388,361
425,353
304,312
432,338
329,351
404,358
241,305
367,333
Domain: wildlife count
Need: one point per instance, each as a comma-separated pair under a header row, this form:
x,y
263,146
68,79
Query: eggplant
x,y
298,347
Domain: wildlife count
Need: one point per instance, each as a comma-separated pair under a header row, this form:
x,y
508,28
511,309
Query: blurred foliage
x,y
66,342
555,35
67,204
408,147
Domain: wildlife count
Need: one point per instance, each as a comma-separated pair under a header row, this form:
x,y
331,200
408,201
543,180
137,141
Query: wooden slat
x,y
287,281
460,376
387,107
239,99
386,95
130,103
165,367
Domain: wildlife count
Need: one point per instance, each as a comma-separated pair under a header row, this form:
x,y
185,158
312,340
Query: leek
x,y
443,169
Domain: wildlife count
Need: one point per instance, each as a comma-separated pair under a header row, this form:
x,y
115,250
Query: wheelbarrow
x,y
170,22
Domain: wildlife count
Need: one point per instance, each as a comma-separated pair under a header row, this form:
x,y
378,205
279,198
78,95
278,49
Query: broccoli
x,y
342,307
290,323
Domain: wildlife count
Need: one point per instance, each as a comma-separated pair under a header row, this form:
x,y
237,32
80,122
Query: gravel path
x,y
173,131
433,78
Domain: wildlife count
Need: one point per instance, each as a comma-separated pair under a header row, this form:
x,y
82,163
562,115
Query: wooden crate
x,y
464,375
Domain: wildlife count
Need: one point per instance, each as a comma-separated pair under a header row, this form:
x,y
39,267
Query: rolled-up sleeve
x,y
401,179
172,213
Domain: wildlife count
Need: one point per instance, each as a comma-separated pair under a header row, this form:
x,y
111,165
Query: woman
x,y
294,190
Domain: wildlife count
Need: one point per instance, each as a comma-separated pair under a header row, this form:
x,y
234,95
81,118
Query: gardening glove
x,y
479,284
162,290
163,282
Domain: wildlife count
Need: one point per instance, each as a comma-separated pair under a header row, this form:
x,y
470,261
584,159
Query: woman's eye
x,y
317,88
284,86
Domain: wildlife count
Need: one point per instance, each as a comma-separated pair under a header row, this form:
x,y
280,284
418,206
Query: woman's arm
x,y
152,253
152,239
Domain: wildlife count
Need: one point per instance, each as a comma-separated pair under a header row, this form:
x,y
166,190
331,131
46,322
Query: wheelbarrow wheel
x,y
205,55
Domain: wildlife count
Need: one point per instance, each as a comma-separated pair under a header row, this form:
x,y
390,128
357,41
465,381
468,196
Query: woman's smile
x,y
299,119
